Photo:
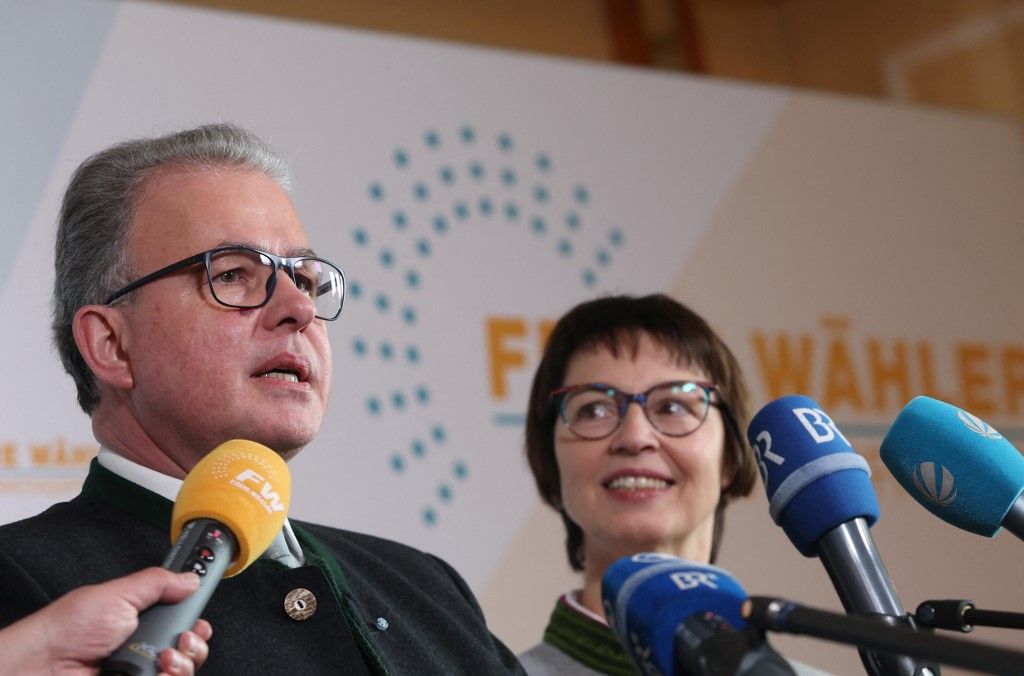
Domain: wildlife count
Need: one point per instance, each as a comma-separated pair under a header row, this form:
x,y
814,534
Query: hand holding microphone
x,y
230,508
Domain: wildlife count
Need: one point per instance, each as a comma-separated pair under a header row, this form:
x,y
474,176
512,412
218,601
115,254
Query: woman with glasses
x,y
654,476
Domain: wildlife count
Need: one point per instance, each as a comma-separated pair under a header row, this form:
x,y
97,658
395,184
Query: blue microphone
x,y
674,616
819,490
957,466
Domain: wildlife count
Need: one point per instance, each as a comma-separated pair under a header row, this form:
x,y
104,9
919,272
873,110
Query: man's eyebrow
x,y
290,253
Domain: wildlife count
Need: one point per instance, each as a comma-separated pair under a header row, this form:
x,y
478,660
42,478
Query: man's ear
x,y
101,334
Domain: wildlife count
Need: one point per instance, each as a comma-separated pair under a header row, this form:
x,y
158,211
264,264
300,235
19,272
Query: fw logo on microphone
x,y
935,483
266,496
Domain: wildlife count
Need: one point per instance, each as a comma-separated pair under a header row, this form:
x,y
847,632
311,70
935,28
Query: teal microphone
x,y
960,468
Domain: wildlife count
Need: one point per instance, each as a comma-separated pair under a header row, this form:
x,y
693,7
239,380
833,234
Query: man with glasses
x,y
190,309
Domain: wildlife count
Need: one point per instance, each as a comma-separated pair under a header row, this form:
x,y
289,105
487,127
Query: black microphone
x,y
792,618
962,615
229,509
819,490
677,617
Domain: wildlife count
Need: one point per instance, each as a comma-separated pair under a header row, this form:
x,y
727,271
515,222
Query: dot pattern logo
x,y
431,190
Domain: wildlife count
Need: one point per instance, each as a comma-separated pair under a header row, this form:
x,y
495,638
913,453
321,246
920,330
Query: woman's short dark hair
x,y
617,323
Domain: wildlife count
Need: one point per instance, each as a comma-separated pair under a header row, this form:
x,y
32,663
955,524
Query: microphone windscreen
x,y
647,596
956,465
813,478
243,485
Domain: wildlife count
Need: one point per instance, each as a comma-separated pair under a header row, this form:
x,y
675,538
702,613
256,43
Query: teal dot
x,y
438,433
401,158
412,354
572,219
387,258
476,170
400,220
360,236
505,142
420,191
397,463
538,224
359,346
422,394
447,175
486,206
376,192
603,257
616,237
382,302
412,278
511,211
565,248
409,315
398,400
440,224
543,161
461,211
460,470
508,176
589,277
581,194
444,492
432,139
418,448
429,516
423,247
467,134
386,351
373,405
353,289
541,194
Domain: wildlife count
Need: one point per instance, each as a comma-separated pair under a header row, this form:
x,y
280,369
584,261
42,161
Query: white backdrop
x,y
857,252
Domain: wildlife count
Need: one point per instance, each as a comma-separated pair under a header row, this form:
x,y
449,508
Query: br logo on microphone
x,y
818,425
691,579
977,425
935,483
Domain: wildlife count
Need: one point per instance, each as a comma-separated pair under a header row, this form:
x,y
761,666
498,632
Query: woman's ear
x,y
729,467
102,336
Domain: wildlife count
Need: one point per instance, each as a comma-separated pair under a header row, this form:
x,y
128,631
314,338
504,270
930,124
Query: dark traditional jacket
x,y
381,607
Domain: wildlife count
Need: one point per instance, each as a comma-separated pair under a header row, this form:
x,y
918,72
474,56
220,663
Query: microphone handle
x,y
205,547
785,616
1014,519
849,555
852,561
962,615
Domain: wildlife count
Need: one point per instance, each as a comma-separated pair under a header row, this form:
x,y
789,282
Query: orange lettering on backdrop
x,y
841,384
891,373
500,329
785,368
1013,377
40,454
972,360
926,364
8,457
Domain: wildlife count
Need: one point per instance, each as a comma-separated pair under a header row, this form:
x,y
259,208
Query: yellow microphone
x,y
229,509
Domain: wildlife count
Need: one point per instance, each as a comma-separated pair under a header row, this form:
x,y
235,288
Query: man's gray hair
x,y
91,261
